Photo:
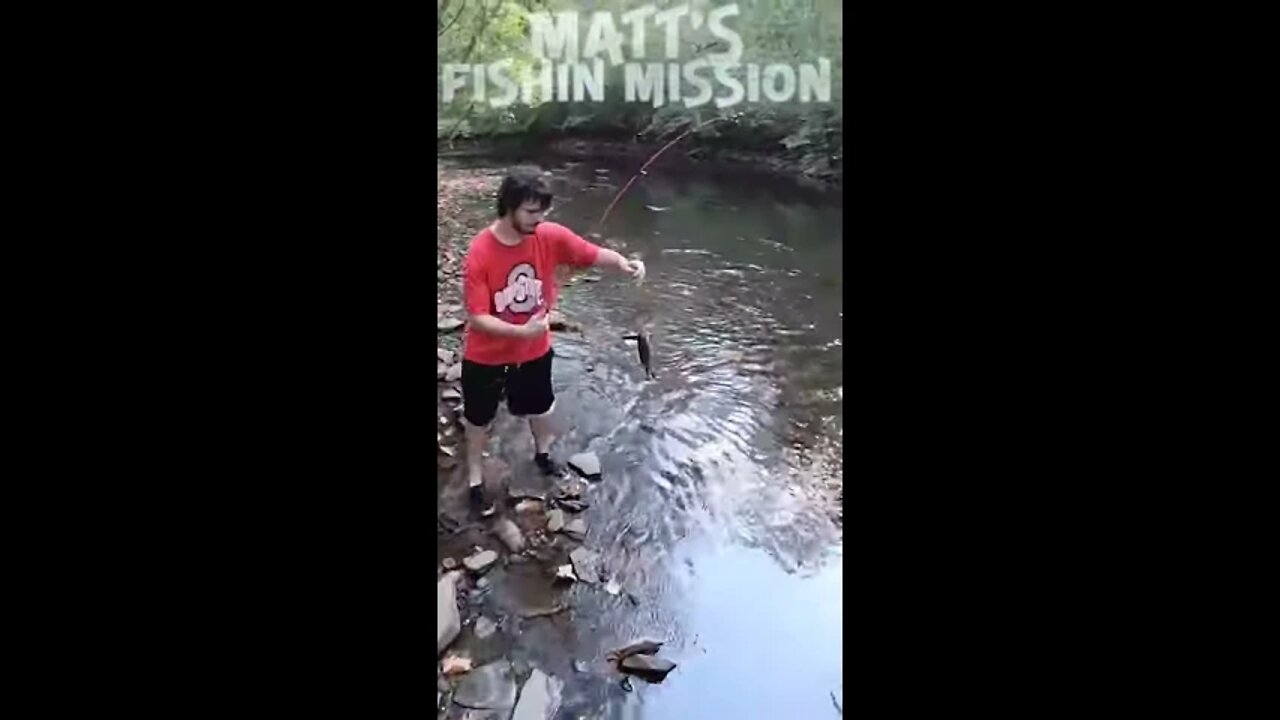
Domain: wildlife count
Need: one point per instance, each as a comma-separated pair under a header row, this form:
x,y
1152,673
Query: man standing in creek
x,y
509,289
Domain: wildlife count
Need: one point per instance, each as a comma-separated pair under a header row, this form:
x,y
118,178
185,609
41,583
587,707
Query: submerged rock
x,y
584,564
448,622
540,698
490,687
485,627
509,534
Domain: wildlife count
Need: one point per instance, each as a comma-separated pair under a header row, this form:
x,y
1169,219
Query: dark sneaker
x,y
547,465
478,503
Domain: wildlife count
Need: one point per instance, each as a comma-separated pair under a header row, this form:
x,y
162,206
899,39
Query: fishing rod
x,y
641,336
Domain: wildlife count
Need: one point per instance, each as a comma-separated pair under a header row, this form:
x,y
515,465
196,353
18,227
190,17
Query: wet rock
x,y
584,565
509,534
555,521
444,355
540,698
449,564
643,647
565,572
448,622
481,561
529,506
454,373
482,583
489,687
575,506
586,463
651,668
576,529
450,395
612,587
449,324
485,627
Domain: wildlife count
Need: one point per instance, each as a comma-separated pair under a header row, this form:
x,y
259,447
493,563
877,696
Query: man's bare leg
x,y
477,439
543,435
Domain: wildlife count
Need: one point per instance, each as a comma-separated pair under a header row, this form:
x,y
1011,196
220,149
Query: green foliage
x,y
788,31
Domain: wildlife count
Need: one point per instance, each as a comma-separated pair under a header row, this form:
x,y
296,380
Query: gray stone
x,y
540,698
574,506
449,324
450,395
584,565
449,564
509,534
442,369
481,561
485,627
577,529
651,668
555,521
444,355
586,463
489,687
448,622
453,373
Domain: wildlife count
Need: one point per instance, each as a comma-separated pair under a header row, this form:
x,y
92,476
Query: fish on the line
x,y
642,346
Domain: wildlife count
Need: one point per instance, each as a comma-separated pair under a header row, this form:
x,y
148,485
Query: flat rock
x,y
448,622
453,373
584,565
576,529
540,698
449,324
586,463
450,395
651,668
488,687
555,521
444,355
509,534
481,561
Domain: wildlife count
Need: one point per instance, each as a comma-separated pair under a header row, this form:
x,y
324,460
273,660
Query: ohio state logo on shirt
x,y
523,292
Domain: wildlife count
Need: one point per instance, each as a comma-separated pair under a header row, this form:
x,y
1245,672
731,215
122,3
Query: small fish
x,y
642,346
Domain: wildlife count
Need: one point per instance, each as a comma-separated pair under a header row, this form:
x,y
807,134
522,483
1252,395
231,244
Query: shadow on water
x,y
718,509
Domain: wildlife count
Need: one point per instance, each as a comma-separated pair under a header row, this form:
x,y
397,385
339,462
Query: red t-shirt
x,y
516,284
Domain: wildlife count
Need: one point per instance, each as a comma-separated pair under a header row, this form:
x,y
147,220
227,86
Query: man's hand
x,y
634,268
536,327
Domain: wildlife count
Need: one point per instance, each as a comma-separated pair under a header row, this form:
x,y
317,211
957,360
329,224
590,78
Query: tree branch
x,y
454,20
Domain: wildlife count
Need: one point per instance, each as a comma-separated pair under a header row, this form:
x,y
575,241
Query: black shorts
x,y
527,387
